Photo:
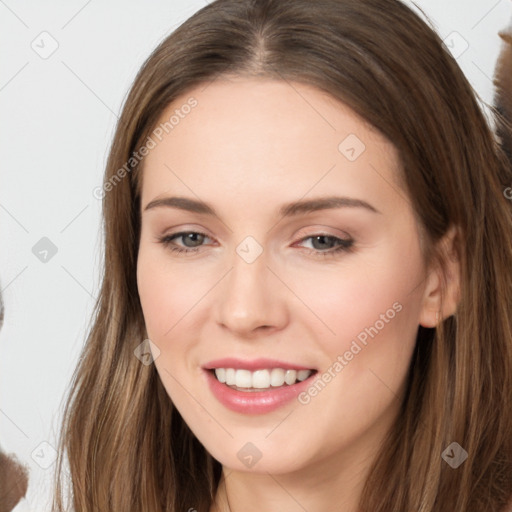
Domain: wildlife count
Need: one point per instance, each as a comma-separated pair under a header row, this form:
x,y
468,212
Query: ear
x,y
442,289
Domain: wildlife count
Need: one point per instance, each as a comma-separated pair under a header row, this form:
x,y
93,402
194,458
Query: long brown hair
x,y
128,447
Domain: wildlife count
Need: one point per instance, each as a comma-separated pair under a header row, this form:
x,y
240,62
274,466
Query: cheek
x,y
154,300
374,304
166,297
167,292
372,308
381,289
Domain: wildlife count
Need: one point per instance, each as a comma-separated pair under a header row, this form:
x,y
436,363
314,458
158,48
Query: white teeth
x,y
221,374
260,379
303,374
290,376
230,376
277,377
243,379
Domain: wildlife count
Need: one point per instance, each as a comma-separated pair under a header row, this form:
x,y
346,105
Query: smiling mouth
x,y
260,380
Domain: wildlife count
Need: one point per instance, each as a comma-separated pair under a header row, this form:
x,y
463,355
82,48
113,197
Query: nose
x,y
251,299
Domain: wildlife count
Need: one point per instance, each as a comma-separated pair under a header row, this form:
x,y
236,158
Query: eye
x,y
195,238
340,244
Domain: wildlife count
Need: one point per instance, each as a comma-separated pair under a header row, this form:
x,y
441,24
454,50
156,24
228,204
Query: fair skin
x,y
247,148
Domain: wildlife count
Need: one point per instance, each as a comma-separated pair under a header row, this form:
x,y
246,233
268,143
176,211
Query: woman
x,y
371,375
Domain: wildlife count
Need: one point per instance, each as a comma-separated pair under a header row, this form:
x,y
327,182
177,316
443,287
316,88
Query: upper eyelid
x,y
317,229
301,238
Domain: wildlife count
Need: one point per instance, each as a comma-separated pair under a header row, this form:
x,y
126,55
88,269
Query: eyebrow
x,y
286,210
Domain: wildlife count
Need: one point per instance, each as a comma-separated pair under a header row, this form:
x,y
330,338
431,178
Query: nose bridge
x,y
248,299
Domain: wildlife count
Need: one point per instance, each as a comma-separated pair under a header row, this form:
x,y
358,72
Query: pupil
x,y
191,237
321,238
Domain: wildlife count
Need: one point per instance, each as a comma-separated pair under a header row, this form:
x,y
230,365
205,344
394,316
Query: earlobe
x,y
442,290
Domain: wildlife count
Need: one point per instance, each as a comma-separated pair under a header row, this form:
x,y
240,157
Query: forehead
x,y
259,138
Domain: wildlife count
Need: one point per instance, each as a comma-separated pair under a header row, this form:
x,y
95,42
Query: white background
x,y
57,119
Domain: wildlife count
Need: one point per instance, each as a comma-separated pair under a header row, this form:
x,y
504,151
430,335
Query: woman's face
x,y
273,284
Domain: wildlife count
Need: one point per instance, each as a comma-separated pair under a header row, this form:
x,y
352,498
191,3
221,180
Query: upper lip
x,y
253,364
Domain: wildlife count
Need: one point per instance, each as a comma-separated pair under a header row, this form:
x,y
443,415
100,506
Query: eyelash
x,y
344,245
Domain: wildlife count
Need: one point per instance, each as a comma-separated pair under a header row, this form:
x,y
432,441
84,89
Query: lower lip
x,y
255,402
